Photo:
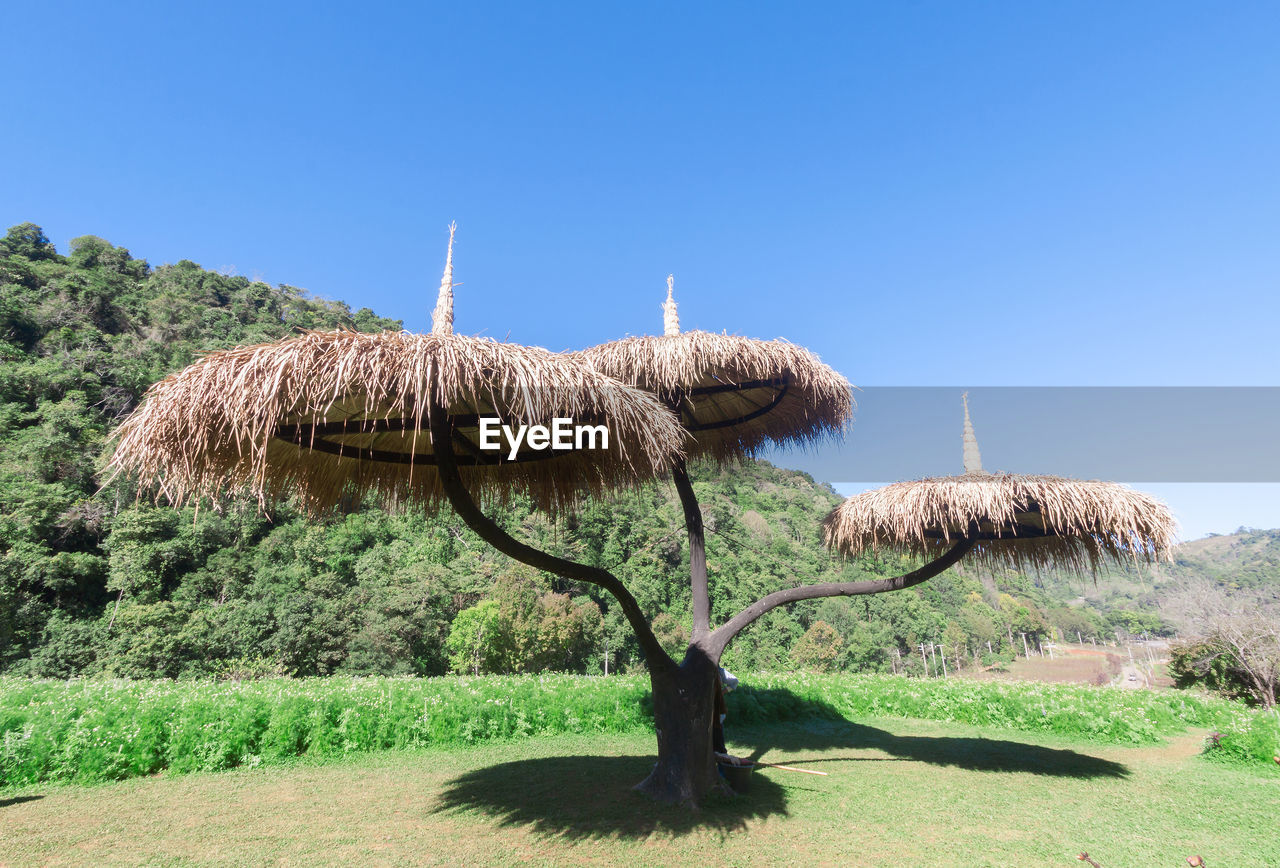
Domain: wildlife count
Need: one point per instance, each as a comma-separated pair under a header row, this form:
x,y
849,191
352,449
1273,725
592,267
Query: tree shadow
x,y
18,800
584,797
972,754
819,726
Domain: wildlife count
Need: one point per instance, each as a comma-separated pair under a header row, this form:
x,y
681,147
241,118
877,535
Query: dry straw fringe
x,y
818,402
211,428
1022,521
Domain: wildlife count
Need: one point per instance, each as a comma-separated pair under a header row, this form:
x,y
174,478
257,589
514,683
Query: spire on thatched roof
x,y
972,457
733,394
1017,520
326,414
670,319
442,316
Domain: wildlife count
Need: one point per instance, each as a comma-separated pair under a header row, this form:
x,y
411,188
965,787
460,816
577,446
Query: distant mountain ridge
x,y
1248,558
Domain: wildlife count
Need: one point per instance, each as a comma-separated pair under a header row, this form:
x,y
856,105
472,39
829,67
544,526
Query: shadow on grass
x,y
582,797
973,754
18,800
819,726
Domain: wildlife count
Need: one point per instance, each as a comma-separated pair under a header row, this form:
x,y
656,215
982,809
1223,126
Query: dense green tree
x,y
1209,664
28,241
477,640
819,648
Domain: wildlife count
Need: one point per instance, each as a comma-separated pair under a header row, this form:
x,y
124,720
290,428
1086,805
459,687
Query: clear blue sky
x,y
924,194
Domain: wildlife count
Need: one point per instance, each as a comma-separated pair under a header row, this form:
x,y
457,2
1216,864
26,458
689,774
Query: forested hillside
x,y
98,581
1132,596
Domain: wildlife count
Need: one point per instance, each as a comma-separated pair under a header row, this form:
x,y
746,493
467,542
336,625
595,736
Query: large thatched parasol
x,y
328,414
733,393
1013,520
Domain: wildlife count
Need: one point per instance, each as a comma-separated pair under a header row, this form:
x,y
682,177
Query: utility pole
x,y
925,659
934,657
943,652
1025,651
606,656
1079,639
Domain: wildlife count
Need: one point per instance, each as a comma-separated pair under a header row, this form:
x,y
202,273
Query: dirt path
x,y
1132,677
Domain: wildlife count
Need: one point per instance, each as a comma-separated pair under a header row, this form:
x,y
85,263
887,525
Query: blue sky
x,y
922,193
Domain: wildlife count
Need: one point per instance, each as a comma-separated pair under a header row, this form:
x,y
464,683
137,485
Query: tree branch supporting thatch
x,y
697,551
722,636
463,504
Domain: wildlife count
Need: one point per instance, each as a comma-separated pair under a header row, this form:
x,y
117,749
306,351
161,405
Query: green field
x,y
86,731
899,793
498,770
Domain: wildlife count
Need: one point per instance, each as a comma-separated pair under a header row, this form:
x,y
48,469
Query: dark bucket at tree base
x,y
738,777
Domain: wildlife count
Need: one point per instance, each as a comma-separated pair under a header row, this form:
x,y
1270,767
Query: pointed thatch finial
x,y
670,319
442,316
972,457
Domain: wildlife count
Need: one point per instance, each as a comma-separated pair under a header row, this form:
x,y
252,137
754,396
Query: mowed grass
x,y
898,793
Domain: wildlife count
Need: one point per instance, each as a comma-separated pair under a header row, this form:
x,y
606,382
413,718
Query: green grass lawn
x,y
899,792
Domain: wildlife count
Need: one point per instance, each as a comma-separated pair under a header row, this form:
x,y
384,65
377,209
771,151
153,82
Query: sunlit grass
x,y
898,792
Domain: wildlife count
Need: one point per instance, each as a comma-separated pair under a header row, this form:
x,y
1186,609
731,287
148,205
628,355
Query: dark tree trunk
x,y
683,712
684,695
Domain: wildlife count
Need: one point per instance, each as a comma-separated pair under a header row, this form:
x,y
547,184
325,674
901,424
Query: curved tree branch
x,y
697,551
461,501
723,634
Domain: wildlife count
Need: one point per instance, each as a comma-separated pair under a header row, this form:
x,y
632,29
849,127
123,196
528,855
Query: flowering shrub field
x,y
91,730
1103,714
94,730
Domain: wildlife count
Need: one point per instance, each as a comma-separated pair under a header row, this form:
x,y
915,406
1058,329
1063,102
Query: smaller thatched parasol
x,y
329,414
1015,520
733,394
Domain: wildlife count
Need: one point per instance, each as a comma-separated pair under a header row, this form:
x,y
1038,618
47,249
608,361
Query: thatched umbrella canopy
x,y
733,394
1016,520
327,414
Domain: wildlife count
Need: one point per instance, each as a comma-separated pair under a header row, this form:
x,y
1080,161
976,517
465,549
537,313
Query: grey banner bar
x,y
1123,433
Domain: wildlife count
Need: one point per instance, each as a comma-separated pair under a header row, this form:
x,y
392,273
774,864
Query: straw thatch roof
x,y
1018,521
733,393
326,413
